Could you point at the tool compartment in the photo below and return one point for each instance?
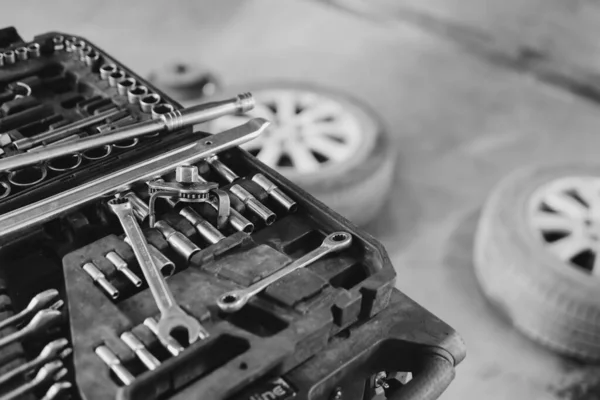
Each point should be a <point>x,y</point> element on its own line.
<point>341,305</point>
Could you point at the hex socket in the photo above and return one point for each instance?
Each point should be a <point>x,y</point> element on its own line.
<point>148,101</point>
<point>135,94</point>
<point>177,240</point>
<point>9,57</point>
<point>21,53</point>
<point>275,193</point>
<point>253,204</point>
<point>115,77</point>
<point>106,70</point>
<point>204,228</point>
<point>222,169</point>
<point>124,85</point>
<point>34,50</point>
<point>166,266</point>
<point>161,109</point>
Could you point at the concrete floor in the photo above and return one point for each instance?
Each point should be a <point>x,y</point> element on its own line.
<point>461,123</point>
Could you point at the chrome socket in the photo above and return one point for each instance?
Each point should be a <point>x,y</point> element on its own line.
<point>91,58</point>
<point>161,109</point>
<point>204,228</point>
<point>124,85</point>
<point>106,70</point>
<point>140,350</point>
<point>65,163</point>
<point>112,361</point>
<point>34,50</point>
<point>27,176</point>
<point>222,169</point>
<point>115,77</point>
<point>122,267</point>
<point>97,153</point>
<point>177,240</point>
<point>135,94</point>
<point>9,57</point>
<point>166,266</point>
<point>22,53</point>
<point>98,277</point>
<point>275,193</point>
<point>1,59</point>
<point>148,101</point>
<point>79,47</point>
<point>253,204</point>
<point>59,42</point>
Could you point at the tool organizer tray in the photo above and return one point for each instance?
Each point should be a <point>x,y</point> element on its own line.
<point>343,305</point>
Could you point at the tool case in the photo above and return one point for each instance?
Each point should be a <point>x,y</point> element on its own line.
<point>335,329</point>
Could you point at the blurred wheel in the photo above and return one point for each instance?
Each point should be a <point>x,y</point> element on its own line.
<point>537,255</point>
<point>328,144</point>
<point>183,81</point>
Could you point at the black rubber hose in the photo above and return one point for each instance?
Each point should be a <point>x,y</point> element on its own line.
<point>431,381</point>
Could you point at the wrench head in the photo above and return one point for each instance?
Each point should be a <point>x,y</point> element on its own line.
<point>119,205</point>
<point>337,241</point>
<point>42,300</point>
<point>232,301</point>
<point>180,322</point>
<point>53,349</point>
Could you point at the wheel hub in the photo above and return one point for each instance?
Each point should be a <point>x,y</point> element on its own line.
<point>565,214</point>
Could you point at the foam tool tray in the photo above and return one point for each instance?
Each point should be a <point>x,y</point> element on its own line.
<point>336,329</point>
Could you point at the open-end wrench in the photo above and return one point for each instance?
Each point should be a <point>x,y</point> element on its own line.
<point>42,320</point>
<point>37,303</point>
<point>52,351</point>
<point>171,315</point>
<point>234,300</point>
<point>57,390</point>
<point>171,344</point>
<point>51,371</point>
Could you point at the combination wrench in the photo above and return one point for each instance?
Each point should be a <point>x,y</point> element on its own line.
<point>49,372</point>
<point>171,315</point>
<point>234,300</point>
<point>42,320</point>
<point>37,303</point>
<point>52,351</point>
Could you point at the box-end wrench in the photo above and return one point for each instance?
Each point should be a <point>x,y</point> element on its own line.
<point>234,300</point>
<point>171,315</point>
<point>51,371</point>
<point>42,320</point>
<point>52,351</point>
<point>37,303</point>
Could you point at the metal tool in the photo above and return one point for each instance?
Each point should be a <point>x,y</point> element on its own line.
<point>161,109</point>
<point>112,361</point>
<point>177,240</point>
<point>106,70</point>
<point>43,319</point>
<point>172,316</point>
<point>34,50</point>
<point>189,188</point>
<point>136,93</point>
<point>234,300</point>
<point>236,220</point>
<point>204,228</point>
<point>124,85</point>
<point>91,57</point>
<point>149,101</point>
<point>57,390</point>
<point>172,121</point>
<point>122,267</point>
<point>52,351</point>
<point>64,131</point>
<point>38,302</point>
<point>30,176</point>
<point>9,57</point>
<point>98,277</point>
<point>52,371</point>
<point>258,208</point>
<point>21,53</point>
<point>169,343</point>
<point>166,266</point>
<point>19,220</point>
<point>115,77</point>
<point>140,350</point>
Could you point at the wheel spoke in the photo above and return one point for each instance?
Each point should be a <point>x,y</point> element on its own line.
<point>590,193</point>
<point>270,153</point>
<point>563,203</point>
<point>569,246</point>
<point>303,160</point>
<point>316,112</point>
<point>546,221</point>
<point>286,107</point>
<point>327,146</point>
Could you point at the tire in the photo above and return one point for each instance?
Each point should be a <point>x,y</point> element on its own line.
<point>554,301</point>
<point>355,185</point>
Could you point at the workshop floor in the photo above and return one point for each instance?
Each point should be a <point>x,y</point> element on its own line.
<point>461,123</point>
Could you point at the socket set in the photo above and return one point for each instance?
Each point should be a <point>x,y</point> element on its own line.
<point>142,260</point>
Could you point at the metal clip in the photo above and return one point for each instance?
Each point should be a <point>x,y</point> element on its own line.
<point>188,188</point>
